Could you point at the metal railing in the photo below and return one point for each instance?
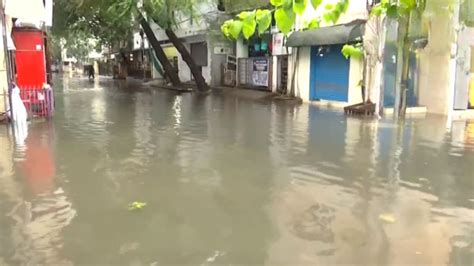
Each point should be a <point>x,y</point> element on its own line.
<point>39,102</point>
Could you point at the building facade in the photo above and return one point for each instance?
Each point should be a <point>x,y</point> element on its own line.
<point>318,71</point>
<point>202,37</point>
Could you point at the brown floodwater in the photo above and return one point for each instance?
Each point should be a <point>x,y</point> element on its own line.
<point>231,181</point>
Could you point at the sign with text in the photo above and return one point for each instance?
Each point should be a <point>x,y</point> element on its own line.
<point>260,72</point>
<point>278,44</point>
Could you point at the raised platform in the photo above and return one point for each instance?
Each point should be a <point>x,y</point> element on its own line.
<point>411,111</point>
<point>463,114</point>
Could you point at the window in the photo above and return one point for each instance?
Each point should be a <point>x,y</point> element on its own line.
<point>199,53</point>
<point>221,5</point>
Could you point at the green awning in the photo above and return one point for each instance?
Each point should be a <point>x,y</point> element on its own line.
<point>337,34</point>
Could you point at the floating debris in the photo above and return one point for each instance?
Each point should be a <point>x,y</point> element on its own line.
<point>136,205</point>
<point>387,217</point>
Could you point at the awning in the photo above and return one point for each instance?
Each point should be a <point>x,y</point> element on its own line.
<point>337,34</point>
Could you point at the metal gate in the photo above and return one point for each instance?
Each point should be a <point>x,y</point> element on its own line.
<point>243,72</point>
<point>39,102</point>
<point>329,78</point>
<point>282,73</point>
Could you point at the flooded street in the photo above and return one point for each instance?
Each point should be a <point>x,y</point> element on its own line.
<point>231,181</point>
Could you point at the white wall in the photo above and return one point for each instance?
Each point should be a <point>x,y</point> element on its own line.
<point>184,71</point>
<point>302,73</point>
<point>242,50</point>
<point>3,83</point>
<point>187,27</point>
<point>434,66</point>
<point>355,76</point>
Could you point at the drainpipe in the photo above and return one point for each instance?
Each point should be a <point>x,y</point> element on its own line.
<point>7,58</point>
<point>452,67</point>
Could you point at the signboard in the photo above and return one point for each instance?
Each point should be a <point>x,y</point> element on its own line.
<point>278,44</point>
<point>260,72</point>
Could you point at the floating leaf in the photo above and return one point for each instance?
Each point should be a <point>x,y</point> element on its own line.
<point>136,205</point>
<point>264,20</point>
<point>387,217</point>
<point>285,18</point>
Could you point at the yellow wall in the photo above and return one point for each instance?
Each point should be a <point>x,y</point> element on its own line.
<point>170,52</point>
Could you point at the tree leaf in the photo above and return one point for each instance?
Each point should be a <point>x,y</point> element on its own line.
<point>329,17</point>
<point>392,11</point>
<point>408,4</point>
<point>249,24</point>
<point>316,3</point>
<point>314,23</point>
<point>377,10</point>
<point>264,19</point>
<point>244,15</point>
<point>352,51</point>
<point>299,6</point>
<point>277,3</point>
<point>225,28</point>
<point>343,6</point>
<point>285,18</point>
<point>235,29</point>
<point>328,6</point>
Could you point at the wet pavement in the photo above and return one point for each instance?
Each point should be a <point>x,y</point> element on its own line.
<point>231,181</point>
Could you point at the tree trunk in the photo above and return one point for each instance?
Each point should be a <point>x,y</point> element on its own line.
<point>198,78</point>
<point>405,67</point>
<point>169,70</point>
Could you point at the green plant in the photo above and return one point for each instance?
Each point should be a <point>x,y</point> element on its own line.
<point>284,12</point>
<point>355,51</point>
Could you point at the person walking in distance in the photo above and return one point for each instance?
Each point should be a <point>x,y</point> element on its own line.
<point>91,72</point>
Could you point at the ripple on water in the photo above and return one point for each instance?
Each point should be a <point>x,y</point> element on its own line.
<point>305,174</point>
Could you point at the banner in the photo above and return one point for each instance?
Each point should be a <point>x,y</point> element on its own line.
<point>260,72</point>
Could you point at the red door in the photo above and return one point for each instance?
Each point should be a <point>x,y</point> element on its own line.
<point>30,58</point>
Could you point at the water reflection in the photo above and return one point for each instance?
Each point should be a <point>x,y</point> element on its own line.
<point>232,181</point>
<point>36,209</point>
